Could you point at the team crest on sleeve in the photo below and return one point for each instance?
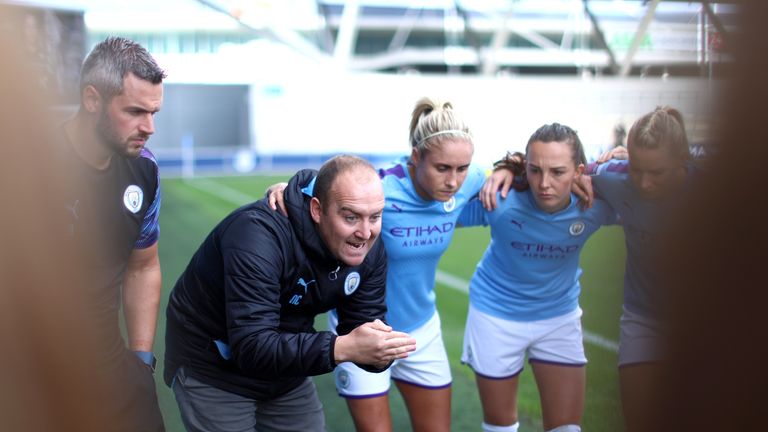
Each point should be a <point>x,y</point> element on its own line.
<point>577,228</point>
<point>342,379</point>
<point>449,205</point>
<point>351,283</point>
<point>132,198</point>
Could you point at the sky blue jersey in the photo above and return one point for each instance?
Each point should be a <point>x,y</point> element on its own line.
<point>530,270</point>
<point>415,234</point>
<point>639,217</point>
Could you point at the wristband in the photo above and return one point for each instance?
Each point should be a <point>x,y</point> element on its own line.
<point>148,358</point>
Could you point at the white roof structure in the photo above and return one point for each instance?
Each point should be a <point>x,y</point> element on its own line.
<point>613,37</point>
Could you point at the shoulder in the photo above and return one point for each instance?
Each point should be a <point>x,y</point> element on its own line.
<point>517,199</point>
<point>394,175</point>
<point>148,155</point>
<point>142,168</point>
<point>475,175</point>
<point>397,182</point>
<point>516,203</point>
<point>254,219</point>
<point>146,161</point>
<point>472,183</point>
<point>600,207</point>
<point>393,171</point>
<point>616,168</point>
<point>611,178</point>
<point>250,239</point>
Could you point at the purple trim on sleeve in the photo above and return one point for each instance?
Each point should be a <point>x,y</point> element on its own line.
<point>592,168</point>
<point>617,167</point>
<point>363,396</point>
<point>422,385</point>
<point>146,153</point>
<point>396,171</point>
<point>150,226</point>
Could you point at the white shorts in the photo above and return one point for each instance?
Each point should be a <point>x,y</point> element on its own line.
<point>426,367</point>
<point>640,339</point>
<point>495,348</point>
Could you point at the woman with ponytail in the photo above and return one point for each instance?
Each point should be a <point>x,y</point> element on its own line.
<point>425,193</point>
<point>524,295</point>
<point>642,190</point>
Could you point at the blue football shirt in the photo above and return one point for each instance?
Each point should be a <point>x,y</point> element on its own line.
<point>416,233</point>
<point>530,270</point>
<point>641,220</point>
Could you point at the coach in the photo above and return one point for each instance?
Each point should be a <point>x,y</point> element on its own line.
<point>240,339</point>
<point>113,206</point>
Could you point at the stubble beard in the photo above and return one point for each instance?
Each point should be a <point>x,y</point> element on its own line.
<point>112,140</point>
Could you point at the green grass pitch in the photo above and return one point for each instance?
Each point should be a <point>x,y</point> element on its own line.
<point>191,208</point>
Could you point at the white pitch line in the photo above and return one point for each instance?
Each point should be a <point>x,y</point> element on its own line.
<point>219,190</point>
<point>462,285</point>
<point>452,281</point>
<point>600,341</point>
<point>236,197</point>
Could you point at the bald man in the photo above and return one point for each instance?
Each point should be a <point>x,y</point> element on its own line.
<point>240,338</point>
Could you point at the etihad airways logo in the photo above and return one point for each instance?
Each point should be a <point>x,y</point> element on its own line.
<point>544,251</point>
<point>419,231</point>
<point>538,247</point>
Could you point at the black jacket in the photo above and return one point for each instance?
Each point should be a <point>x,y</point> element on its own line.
<point>256,284</point>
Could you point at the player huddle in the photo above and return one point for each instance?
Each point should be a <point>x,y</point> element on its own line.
<point>240,338</point>
<point>524,293</point>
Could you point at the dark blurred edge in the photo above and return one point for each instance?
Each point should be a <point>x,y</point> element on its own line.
<point>715,255</point>
<point>47,362</point>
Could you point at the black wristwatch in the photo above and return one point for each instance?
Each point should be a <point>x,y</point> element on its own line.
<point>148,358</point>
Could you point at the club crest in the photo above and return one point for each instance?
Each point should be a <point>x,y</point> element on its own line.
<point>132,198</point>
<point>351,283</point>
<point>342,379</point>
<point>577,228</point>
<point>449,205</point>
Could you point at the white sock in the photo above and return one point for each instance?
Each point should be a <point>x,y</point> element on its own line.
<point>494,428</point>
<point>566,428</point>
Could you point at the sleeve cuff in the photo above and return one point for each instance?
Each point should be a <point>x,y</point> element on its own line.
<point>332,351</point>
<point>148,358</point>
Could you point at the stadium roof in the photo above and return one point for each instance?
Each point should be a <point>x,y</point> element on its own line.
<point>482,36</point>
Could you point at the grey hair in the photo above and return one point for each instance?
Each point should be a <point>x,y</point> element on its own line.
<point>432,120</point>
<point>111,60</point>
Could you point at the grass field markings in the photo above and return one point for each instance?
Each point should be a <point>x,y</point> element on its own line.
<point>236,197</point>
<point>600,341</point>
<point>459,284</point>
<point>220,190</point>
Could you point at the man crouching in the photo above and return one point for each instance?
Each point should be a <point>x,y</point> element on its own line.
<point>240,339</point>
